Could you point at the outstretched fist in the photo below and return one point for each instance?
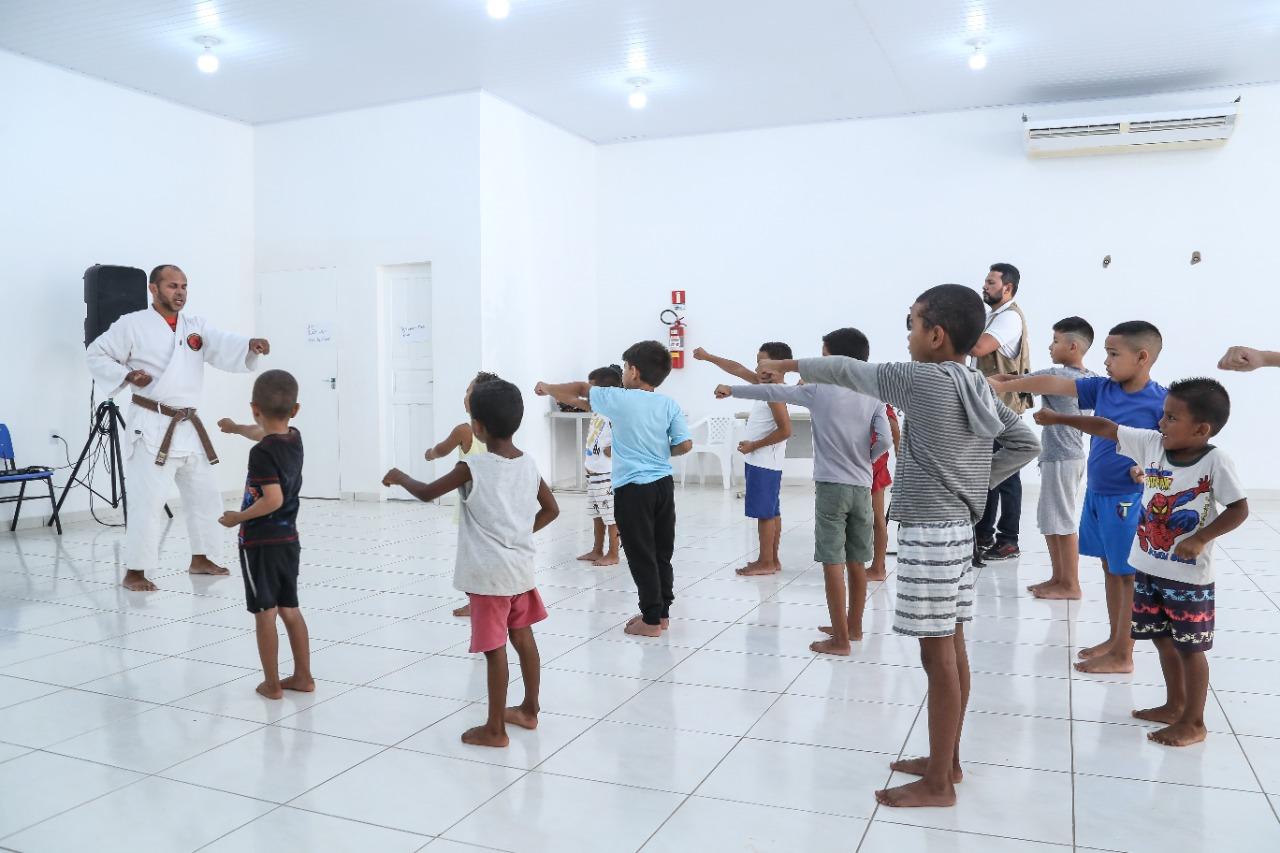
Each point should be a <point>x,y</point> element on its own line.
<point>700,354</point>
<point>541,389</point>
<point>226,425</point>
<point>394,477</point>
<point>723,391</point>
<point>260,346</point>
<point>1241,359</point>
<point>771,370</point>
<point>1046,417</point>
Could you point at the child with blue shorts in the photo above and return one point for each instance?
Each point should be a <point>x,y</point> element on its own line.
<point>763,448</point>
<point>1113,494</point>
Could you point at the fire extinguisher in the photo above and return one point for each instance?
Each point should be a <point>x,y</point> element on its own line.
<point>673,319</point>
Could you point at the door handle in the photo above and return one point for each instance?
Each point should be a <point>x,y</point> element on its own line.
<point>331,382</point>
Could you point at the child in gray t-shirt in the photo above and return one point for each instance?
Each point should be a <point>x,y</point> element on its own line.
<point>1062,465</point>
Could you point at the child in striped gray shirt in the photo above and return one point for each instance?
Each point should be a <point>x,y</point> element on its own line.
<point>945,468</point>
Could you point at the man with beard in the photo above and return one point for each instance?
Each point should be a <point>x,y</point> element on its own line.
<point>1002,349</point>
<point>163,351</point>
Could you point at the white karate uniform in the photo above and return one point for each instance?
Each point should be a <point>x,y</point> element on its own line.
<point>143,340</point>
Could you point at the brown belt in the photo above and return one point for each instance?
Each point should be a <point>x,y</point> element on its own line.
<point>177,416</point>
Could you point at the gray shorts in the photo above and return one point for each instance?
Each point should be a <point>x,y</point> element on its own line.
<point>1058,513</point>
<point>843,525</point>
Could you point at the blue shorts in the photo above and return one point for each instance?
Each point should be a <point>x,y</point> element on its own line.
<point>764,489</point>
<point>1108,526</point>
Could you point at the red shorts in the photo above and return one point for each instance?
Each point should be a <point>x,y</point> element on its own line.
<point>880,477</point>
<point>493,615</point>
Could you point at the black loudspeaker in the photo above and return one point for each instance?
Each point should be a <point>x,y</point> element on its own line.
<point>110,292</point>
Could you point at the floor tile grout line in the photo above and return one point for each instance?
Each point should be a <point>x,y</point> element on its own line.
<point>727,753</point>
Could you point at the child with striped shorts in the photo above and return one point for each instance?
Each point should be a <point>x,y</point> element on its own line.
<point>944,471</point>
<point>598,458</point>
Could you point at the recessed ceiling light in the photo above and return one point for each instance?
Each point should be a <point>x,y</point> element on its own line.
<point>208,61</point>
<point>638,99</point>
<point>498,9</point>
<point>978,59</point>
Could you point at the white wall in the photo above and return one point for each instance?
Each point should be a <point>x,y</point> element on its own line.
<point>789,233</point>
<point>356,190</point>
<point>92,173</point>
<point>538,259</point>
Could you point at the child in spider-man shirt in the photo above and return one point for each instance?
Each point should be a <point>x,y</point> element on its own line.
<point>1184,479</point>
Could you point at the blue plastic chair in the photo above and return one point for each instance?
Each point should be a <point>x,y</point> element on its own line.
<point>10,473</point>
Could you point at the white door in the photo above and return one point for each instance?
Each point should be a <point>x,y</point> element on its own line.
<point>408,370</point>
<point>297,310</point>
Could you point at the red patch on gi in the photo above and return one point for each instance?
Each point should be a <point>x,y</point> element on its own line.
<point>195,342</point>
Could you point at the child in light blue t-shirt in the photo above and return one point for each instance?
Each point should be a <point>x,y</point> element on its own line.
<point>648,429</point>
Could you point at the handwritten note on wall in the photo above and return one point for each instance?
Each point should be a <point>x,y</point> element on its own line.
<point>415,334</point>
<point>318,333</point>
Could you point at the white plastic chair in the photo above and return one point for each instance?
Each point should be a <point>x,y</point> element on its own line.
<point>719,443</point>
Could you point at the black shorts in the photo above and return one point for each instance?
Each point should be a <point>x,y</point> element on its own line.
<point>270,576</point>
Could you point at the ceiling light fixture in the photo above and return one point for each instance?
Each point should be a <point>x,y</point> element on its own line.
<point>208,61</point>
<point>498,9</point>
<point>638,99</point>
<point>977,59</point>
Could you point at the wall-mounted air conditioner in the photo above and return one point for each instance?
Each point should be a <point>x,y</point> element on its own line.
<point>1163,130</point>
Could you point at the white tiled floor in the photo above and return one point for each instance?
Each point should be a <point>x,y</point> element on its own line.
<point>129,721</point>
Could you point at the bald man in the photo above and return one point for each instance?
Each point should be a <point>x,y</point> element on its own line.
<point>157,356</point>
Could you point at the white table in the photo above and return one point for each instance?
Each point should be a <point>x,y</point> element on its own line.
<point>579,439</point>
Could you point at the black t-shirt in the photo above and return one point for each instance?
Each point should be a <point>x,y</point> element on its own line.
<point>277,459</point>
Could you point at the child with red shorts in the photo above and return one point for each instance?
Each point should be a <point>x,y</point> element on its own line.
<point>881,480</point>
<point>504,502</point>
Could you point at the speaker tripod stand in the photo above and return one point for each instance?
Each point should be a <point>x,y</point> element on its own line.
<point>107,425</point>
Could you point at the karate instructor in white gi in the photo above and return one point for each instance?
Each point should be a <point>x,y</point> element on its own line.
<point>158,354</point>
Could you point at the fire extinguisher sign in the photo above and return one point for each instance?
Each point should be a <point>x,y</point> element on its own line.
<point>677,297</point>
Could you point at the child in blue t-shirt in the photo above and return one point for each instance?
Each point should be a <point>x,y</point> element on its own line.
<point>1113,495</point>
<point>648,429</point>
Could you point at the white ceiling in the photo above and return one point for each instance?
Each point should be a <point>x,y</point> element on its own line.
<point>714,64</point>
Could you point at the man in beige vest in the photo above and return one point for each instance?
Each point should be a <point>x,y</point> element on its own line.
<point>1002,349</point>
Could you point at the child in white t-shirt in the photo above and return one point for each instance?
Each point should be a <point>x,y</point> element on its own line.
<point>763,448</point>
<point>504,502</point>
<point>1184,479</point>
<point>598,458</point>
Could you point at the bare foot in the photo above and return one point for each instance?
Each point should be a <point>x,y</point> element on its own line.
<point>137,582</point>
<point>830,647</point>
<point>755,569</point>
<point>1166,714</point>
<point>1033,587</point>
<point>519,716</point>
<point>591,557</point>
<point>639,628</point>
<point>462,612</point>
<point>205,566</point>
<point>877,574</point>
<point>607,560</point>
<point>299,683</point>
<point>1108,663</point>
<point>1094,651</point>
<point>270,692</point>
<point>481,736</point>
<point>1179,734</point>
<point>1056,592</point>
<point>918,766</point>
<point>915,795</point>
<point>664,623</point>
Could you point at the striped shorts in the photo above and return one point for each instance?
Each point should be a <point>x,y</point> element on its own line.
<point>600,497</point>
<point>935,578</point>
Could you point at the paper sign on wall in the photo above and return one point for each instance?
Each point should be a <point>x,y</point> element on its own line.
<point>318,333</point>
<point>415,334</point>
